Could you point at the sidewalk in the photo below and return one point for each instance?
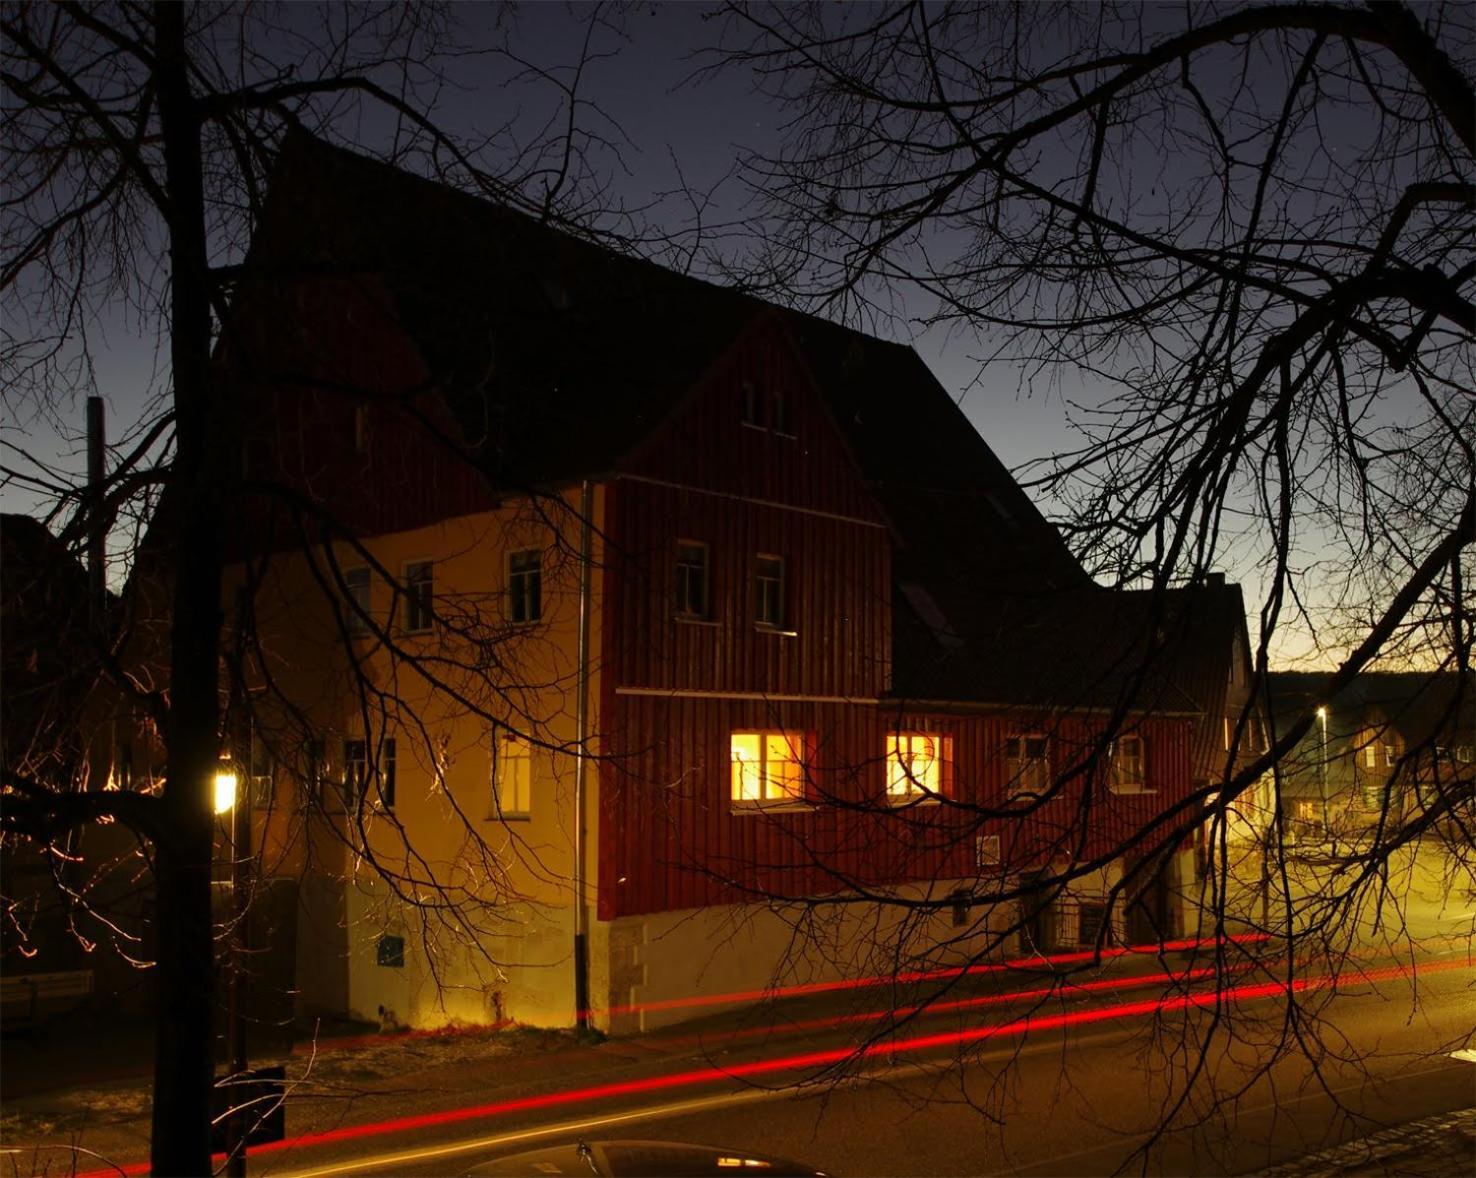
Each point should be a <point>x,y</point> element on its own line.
<point>1435,1147</point>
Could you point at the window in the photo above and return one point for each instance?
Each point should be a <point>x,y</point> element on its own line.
<point>751,412</point>
<point>312,777</point>
<point>260,772</point>
<point>1127,774</point>
<point>915,764</point>
<point>355,771</point>
<point>768,767</point>
<point>512,777</point>
<point>1391,754</point>
<point>357,777</point>
<point>1027,765</point>
<point>768,592</point>
<point>525,585</point>
<point>1090,919</point>
<point>1370,755</point>
<point>780,421</point>
<point>361,429</point>
<point>691,579</point>
<point>357,600</point>
<point>387,774</point>
<point>420,595</point>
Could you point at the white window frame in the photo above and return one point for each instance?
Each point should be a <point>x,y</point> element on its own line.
<point>420,607</point>
<point>682,581</point>
<point>512,777</point>
<point>358,593</point>
<point>904,782</point>
<point>773,791</point>
<point>525,605</point>
<point>1115,779</point>
<point>1017,782</point>
<point>768,591</point>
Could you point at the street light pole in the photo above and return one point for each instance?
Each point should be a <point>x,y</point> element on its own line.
<point>228,794</point>
<point>1322,762</point>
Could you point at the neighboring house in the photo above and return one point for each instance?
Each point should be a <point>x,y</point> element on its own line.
<point>621,618</point>
<point>1379,754</point>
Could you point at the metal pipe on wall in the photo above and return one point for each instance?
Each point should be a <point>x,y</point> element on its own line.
<point>581,767</point>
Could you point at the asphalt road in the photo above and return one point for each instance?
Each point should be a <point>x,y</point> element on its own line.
<point>1073,1099</point>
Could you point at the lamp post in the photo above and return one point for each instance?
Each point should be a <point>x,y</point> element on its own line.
<point>1322,765</point>
<point>228,799</point>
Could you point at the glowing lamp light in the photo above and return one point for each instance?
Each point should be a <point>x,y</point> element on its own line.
<point>1322,713</point>
<point>225,789</point>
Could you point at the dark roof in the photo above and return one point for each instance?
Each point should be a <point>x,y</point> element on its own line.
<point>990,605</point>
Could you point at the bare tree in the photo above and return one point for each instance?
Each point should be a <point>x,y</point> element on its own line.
<point>139,142</point>
<point>1237,239</point>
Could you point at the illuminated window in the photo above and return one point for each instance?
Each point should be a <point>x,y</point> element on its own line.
<point>420,596</point>
<point>768,592</point>
<point>1370,755</point>
<point>915,763</point>
<point>1027,765</point>
<point>356,600</point>
<point>691,579</point>
<point>1127,775</point>
<point>525,585</point>
<point>1391,754</point>
<point>768,767</point>
<point>512,777</point>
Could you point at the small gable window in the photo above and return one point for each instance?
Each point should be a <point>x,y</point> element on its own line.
<point>752,412</point>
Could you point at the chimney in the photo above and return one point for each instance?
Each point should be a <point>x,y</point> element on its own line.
<point>1214,580</point>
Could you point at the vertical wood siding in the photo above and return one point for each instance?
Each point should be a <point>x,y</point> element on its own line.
<point>333,346</point>
<point>671,839</point>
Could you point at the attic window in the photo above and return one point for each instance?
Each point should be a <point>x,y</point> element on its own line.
<point>927,609</point>
<point>751,414</point>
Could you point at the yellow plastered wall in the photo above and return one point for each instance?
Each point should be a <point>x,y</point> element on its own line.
<point>482,903</point>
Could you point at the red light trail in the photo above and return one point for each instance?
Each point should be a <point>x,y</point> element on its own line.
<point>822,1059</point>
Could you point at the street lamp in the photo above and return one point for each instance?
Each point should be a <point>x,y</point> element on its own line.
<point>225,788</point>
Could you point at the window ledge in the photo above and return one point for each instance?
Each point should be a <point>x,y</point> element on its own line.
<point>508,818</point>
<point>902,802</point>
<point>694,620</point>
<point>776,631</point>
<point>748,807</point>
<point>1128,790</point>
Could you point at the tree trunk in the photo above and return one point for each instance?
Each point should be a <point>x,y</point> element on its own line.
<point>184,1043</point>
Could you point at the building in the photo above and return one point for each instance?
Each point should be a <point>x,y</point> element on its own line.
<point>1380,754</point>
<point>603,637</point>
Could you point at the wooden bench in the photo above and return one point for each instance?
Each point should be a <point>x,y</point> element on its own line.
<point>28,1000</point>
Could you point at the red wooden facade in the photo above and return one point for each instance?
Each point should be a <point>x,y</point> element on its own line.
<point>675,689</point>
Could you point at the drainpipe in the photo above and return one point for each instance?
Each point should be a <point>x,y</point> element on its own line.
<point>581,763</point>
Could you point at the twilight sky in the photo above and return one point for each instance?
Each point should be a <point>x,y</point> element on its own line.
<point>666,130</point>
